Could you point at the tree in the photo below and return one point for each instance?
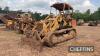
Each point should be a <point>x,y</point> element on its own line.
<point>88,12</point>
<point>96,15</point>
<point>78,16</point>
<point>44,16</point>
<point>0,8</point>
<point>36,15</point>
<point>99,9</point>
<point>85,16</point>
<point>6,8</point>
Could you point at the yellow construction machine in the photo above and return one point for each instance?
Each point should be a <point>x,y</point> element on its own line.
<point>55,29</point>
<point>7,20</point>
<point>22,22</point>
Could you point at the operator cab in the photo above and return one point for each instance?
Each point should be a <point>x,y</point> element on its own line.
<point>63,8</point>
<point>65,12</point>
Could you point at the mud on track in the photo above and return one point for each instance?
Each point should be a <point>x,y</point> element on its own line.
<point>10,44</point>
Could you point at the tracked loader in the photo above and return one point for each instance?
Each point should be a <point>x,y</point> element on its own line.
<point>55,29</point>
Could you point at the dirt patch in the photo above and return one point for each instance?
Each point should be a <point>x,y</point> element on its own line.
<point>11,45</point>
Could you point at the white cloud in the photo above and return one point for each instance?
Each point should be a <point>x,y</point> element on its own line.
<point>44,5</point>
<point>87,3</point>
<point>82,5</point>
<point>52,2</point>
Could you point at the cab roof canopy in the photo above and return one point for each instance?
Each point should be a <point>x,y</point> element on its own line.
<point>62,6</point>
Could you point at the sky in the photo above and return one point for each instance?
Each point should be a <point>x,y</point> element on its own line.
<point>43,6</point>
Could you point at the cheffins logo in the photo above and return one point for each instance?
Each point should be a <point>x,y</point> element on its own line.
<point>81,48</point>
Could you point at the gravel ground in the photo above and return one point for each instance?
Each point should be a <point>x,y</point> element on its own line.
<point>10,44</point>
